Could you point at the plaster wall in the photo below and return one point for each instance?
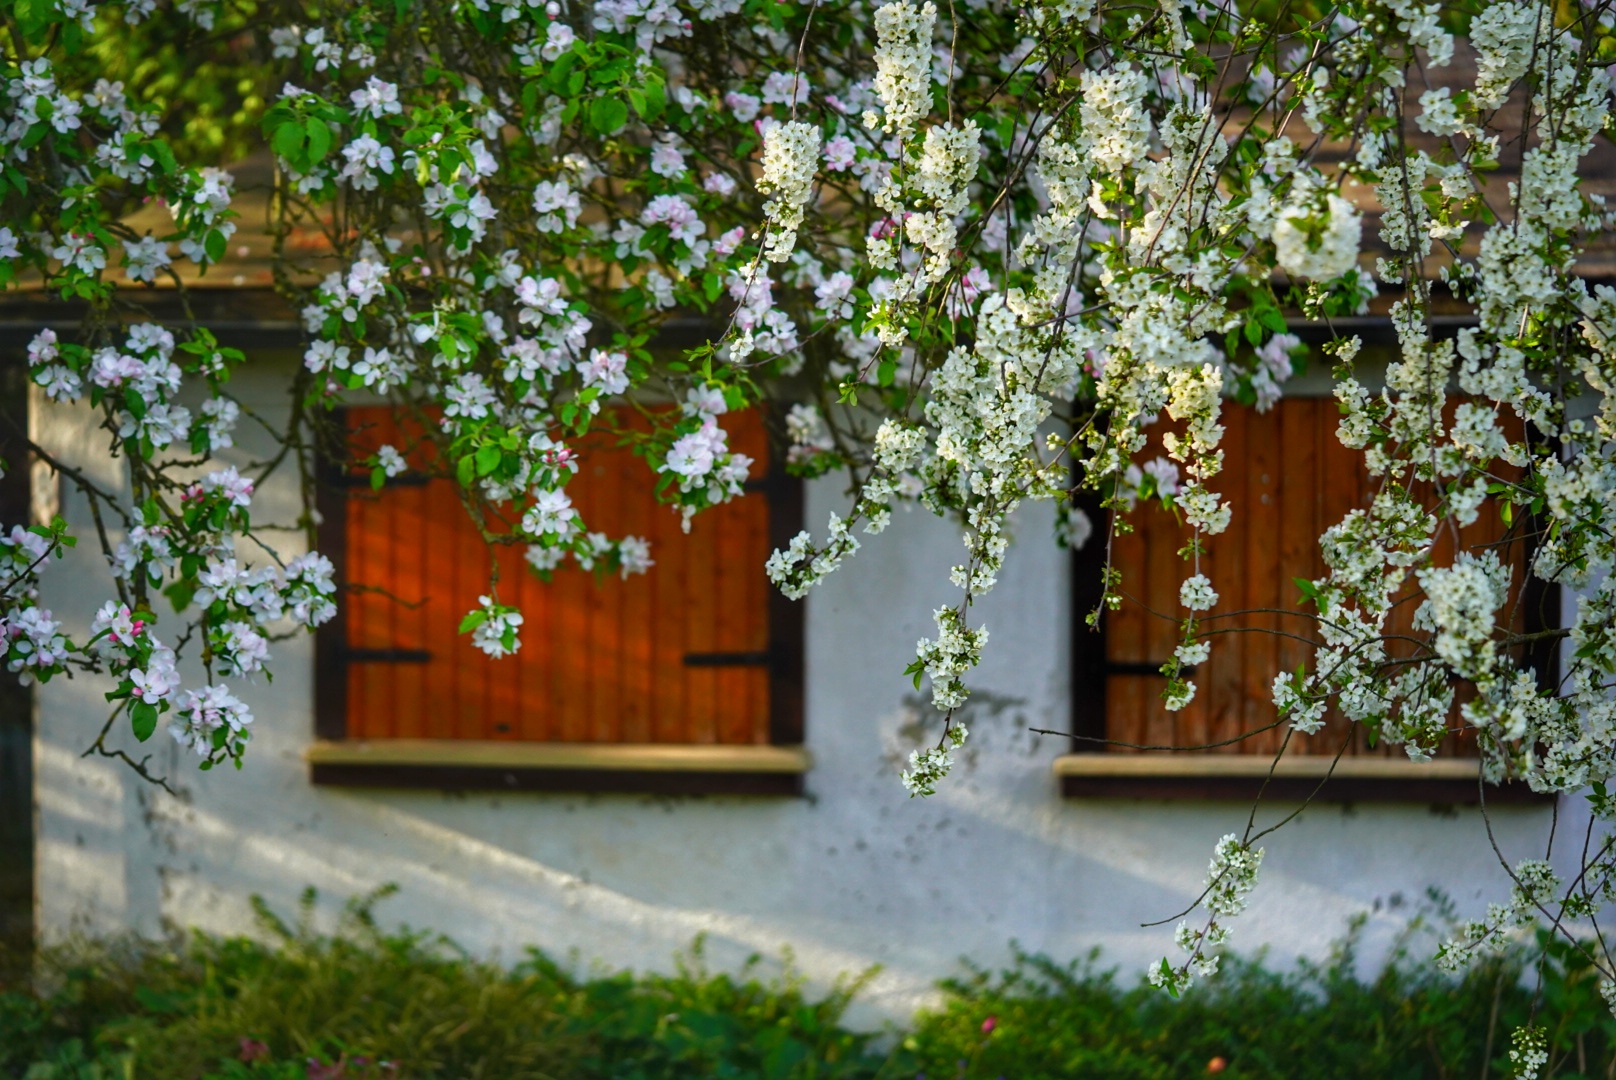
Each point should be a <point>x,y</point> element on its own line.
<point>853,875</point>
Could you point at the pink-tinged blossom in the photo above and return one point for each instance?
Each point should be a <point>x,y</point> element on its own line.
<point>145,258</point>
<point>557,206</point>
<point>693,456</point>
<point>378,370</point>
<point>840,153</point>
<point>467,397</point>
<point>144,547</point>
<point>219,417</point>
<point>200,713</point>
<point>558,38</point>
<point>79,252</point>
<point>365,157</point>
<point>119,624</point>
<point>154,684</point>
<point>229,485</point>
<point>605,371</point>
<point>666,160</point>
<point>544,559</point>
<point>309,588</point>
<point>42,348</point>
<point>743,106</point>
<point>36,643</point>
<point>679,216</point>
<point>324,356</point>
<point>238,647</point>
<point>785,88</point>
<point>730,242</point>
<point>377,98</point>
<point>551,512</point>
<point>705,401</point>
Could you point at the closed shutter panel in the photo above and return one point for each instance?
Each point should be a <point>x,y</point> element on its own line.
<point>680,654</point>
<point>1288,478</point>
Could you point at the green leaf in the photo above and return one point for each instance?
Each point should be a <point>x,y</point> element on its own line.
<point>473,620</point>
<point>143,719</point>
<point>214,245</point>
<point>488,459</point>
<point>608,115</point>
<point>656,99</point>
<point>466,470</point>
<point>319,138</point>
<point>288,140</point>
<point>165,157</point>
<point>180,593</point>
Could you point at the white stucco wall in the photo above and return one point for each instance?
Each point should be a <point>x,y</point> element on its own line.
<point>856,874</point>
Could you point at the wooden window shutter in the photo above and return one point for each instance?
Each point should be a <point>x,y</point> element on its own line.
<point>1288,478</point>
<point>699,650</point>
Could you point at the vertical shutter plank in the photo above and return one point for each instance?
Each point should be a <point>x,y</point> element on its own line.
<point>1125,640</point>
<point>755,604</point>
<point>368,620</point>
<point>1262,577</point>
<point>668,644</point>
<point>535,720</point>
<point>700,619</point>
<point>1223,681</point>
<point>606,607</point>
<point>505,693</point>
<point>569,639</point>
<point>410,573</point>
<point>729,587</point>
<point>439,593</point>
<point>1163,571</point>
<point>637,656</point>
<point>1303,423</point>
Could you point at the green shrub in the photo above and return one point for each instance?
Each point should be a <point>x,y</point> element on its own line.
<point>366,1003</point>
<point>1040,1020</point>
<point>363,1004</point>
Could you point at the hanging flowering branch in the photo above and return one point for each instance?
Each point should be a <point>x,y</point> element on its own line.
<point>977,250</point>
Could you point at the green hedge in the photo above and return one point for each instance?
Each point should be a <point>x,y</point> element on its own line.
<point>367,1004</point>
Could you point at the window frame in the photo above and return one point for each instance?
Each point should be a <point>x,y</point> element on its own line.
<point>775,768</point>
<point>1089,770</point>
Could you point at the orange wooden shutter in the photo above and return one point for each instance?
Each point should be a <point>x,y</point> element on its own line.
<point>1288,478</point>
<point>681,654</point>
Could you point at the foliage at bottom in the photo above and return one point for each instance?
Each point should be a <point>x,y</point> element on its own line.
<point>368,1004</point>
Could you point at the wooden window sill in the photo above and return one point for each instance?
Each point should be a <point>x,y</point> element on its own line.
<point>1296,777</point>
<point>465,765</point>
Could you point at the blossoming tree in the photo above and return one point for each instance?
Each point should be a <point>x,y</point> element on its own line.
<point>971,253</point>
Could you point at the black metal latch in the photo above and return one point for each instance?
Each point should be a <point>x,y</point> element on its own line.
<point>1142,667</point>
<point>728,659</point>
<point>385,656</point>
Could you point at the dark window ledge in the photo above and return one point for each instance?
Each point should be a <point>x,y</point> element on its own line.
<point>603,768</point>
<point>1295,777</point>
